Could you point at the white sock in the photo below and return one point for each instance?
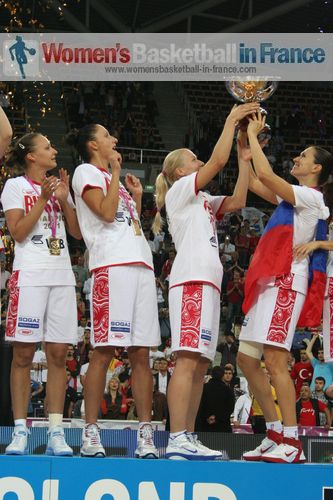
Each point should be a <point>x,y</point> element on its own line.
<point>55,420</point>
<point>290,432</point>
<point>174,435</point>
<point>21,421</point>
<point>274,426</point>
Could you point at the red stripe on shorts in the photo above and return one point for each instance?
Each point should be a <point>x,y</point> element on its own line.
<point>14,293</point>
<point>191,315</point>
<point>101,301</point>
<point>330,298</point>
<point>283,310</point>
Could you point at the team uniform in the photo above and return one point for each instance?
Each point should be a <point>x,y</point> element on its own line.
<point>42,301</point>
<point>328,306</point>
<point>196,274</point>
<point>272,319</point>
<point>123,291</point>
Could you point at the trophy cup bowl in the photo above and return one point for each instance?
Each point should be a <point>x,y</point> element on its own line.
<point>251,91</point>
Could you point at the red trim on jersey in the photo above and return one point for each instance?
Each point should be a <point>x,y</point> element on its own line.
<point>191,315</point>
<point>101,306</point>
<point>217,215</point>
<point>196,184</point>
<point>14,294</point>
<point>139,263</point>
<point>87,187</point>
<point>184,283</point>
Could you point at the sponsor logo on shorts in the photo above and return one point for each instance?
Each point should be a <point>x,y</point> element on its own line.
<point>120,326</point>
<point>25,332</point>
<point>28,322</point>
<point>206,336</point>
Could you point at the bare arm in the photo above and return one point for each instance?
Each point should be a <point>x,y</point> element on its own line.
<point>255,185</point>
<point>133,184</point>
<point>303,250</point>
<point>69,212</point>
<point>262,167</point>
<point>310,346</point>
<point>6,132</point>
<point>106,206</point>
<point>19,224</point>
<point>238,198</point>
<point>222,149</point>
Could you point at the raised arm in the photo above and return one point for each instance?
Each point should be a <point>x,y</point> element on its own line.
<point>221,152</point>
<point>263,170</point>
<point>255,185</point>
<point>310,346</point>
<point>106,206</point>
<point>6,132</point>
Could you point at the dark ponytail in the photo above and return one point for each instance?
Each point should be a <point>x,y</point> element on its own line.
<point>325,159</point>
<point>17,152</point>
<point>80,138</point>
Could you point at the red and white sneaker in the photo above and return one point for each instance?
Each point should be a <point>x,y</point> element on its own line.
<point>288,452</point>
<point>271,441</point>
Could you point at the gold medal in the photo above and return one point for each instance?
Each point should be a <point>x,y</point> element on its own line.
<point>54,246</point>
<point>136,227</point>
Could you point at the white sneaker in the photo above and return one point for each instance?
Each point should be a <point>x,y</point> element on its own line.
<point>182,448</point>
<point>145,447</point>
<point>204,450</point>
<point>19,444</point>
<point>288,452</point>
<point>271,441</point>
<point>91,442</point>
<point>56,444</point>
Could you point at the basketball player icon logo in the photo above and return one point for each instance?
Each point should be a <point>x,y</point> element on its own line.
<point>18,53</point>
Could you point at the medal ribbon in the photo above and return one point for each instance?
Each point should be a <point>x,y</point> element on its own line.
<point>123,195</point>
<point>51,212</point>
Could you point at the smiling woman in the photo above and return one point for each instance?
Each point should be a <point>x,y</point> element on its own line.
<point>41,287</point>
<point>276,287</point>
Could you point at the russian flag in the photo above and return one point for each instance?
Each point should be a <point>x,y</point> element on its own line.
<point>273,255</point>
<point>313,306</point>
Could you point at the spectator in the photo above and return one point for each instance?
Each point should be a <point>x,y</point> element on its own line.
<point>235,295</point>
<point>320,368</point>
<point>227,248</point>
<point>308,410</point>
<point>84,347</point>
<point>72,365</point>
<point>228,349</point>
<point>70,396</point>
<point>242,243</point>
<point>162,378</point>
<point>301,372</point>
<point>36,391</point>
<point>217,404</point>
<point>114,404</point>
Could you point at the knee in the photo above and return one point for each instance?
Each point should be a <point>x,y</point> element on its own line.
<point>275,364</point>
<point>57,357</point>
<point>22,359</point>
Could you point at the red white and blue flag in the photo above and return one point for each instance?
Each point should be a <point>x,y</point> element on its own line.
<point>273,257</point>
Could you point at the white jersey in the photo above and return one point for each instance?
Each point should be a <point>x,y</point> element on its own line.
<point>33,253</point>
<point>309,207</point>
<point>191,218</point>
<point>329,269</point>
<point>109,243</point>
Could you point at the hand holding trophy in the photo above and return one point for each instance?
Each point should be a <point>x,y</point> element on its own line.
<point>252,91</point>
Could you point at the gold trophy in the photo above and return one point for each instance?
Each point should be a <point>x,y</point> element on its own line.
<point>249,91</point>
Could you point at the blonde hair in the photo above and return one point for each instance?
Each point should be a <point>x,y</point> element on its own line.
<point>163,181</point>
